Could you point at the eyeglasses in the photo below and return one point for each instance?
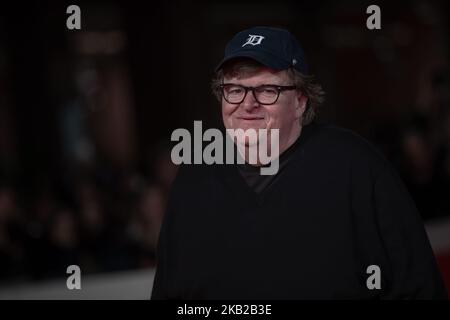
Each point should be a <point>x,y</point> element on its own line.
<point>265,94</point>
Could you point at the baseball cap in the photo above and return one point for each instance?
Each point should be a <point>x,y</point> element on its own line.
<point>275,48</point>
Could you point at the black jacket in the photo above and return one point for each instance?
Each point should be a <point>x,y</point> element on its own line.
<point>334,210</point>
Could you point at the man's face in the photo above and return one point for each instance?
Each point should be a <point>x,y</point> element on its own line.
<point>284,114</point>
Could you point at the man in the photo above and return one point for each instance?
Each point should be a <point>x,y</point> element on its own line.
<point>335,221</point>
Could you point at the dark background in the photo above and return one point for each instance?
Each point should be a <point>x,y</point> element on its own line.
<point>86,115</point>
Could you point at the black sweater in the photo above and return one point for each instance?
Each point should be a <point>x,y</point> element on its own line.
<point>336,208</point>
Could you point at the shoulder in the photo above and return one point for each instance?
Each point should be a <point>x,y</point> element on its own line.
<point>341,144</point>
<point>342,137</point>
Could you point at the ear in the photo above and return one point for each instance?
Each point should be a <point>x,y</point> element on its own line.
<point>300,106</point>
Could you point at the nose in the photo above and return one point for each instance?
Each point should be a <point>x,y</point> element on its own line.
<point>249,102</point>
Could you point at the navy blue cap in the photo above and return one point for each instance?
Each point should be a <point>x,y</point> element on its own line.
<point>275,48</point>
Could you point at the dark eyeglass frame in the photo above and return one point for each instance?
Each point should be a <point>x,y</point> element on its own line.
<point>252,89</point>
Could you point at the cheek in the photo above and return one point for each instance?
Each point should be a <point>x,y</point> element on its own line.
<point>274,118</point>
<point>281,116</point>
<point>227,112</point>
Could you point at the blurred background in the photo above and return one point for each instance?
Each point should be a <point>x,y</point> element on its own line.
<point>86,116</point>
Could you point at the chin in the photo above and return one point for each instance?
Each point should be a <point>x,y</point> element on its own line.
<point>245,141</point>
<point>245,127</point>
<point>249,143</point>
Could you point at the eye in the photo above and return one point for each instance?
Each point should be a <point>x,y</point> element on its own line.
<point>267,90</point>
<point>235,90</point>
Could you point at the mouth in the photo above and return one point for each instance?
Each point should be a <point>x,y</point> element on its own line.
<point>250,118</point>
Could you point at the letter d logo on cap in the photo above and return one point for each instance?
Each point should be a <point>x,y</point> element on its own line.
<point>253,40</point>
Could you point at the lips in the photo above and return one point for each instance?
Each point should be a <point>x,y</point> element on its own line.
<point>250,118</point>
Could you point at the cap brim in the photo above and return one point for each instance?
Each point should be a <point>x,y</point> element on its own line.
<point>261,57</point>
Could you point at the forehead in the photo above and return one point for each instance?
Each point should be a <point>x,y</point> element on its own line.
<point>262,75</point>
